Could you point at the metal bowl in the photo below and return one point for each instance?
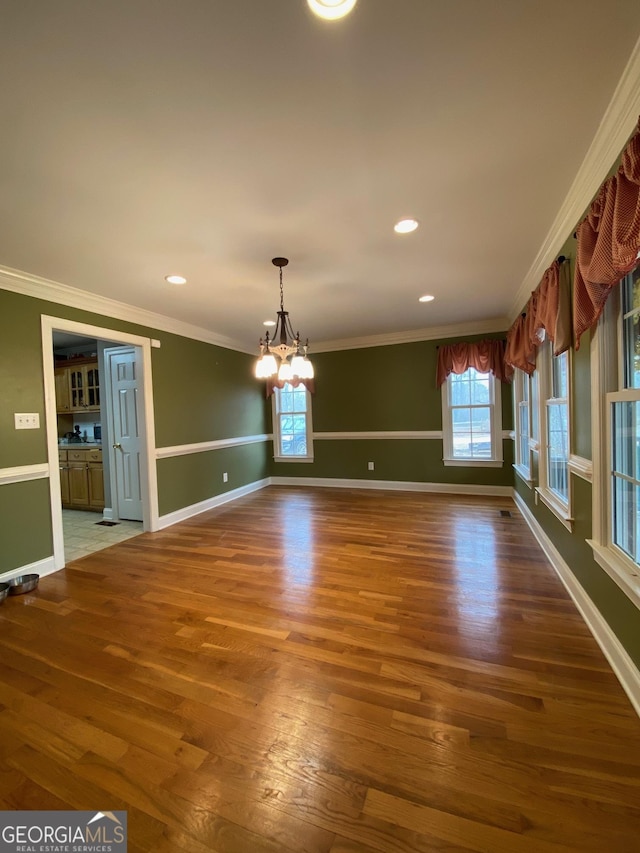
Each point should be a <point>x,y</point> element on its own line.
<point>22,584</point>
<point>4,591</point>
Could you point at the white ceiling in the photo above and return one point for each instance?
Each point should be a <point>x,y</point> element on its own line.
<point>146,137</point>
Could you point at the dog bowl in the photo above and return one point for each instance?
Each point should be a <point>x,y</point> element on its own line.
<point>4,591</point>
<point>22,584</point>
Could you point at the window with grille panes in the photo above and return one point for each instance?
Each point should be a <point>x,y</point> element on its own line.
<point>624,428</point>
<point>472,419</point>
<point>554,412</point>
<point>292,427</point>
<point>615,382</point>
<point>522,394</point>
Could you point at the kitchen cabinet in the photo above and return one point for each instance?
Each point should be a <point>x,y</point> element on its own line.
<point>82,478</point>
<point>78,387</point>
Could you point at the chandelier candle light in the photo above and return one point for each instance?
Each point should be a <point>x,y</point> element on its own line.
<point>294,364</point>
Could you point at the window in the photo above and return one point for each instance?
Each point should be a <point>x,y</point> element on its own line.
<point>615,413</point>
<point>523,403</point>
<point>293,435</point>
<point>557,422</point>
<point>554,417</point>
<point>624,428</point>
<point>472,419</point>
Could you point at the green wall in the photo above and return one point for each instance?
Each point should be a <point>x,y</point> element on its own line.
<point>616,608</point>
<point>185,480</point>
<point>201,392</point>
<point>388,388</point>
<point>25,524</point>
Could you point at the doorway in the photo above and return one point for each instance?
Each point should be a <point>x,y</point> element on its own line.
<point>89,451</point>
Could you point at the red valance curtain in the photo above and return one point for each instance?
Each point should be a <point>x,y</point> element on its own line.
<point>486,356</point>
<point>546,315</point>
<point>310,385</point>
<point>608,240</point>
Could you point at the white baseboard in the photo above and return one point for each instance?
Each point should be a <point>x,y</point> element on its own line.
<point>107,514</point>
<point>623,666</point>
<point>195,509</point>
<point>395,486</point>
<point>40,567</point>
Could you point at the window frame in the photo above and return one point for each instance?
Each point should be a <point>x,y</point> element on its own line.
<point>495,417</point>
<point>560,507</point>
<point>277,434</point>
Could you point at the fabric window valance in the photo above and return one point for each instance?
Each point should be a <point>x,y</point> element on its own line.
<point>486,356</point>
<point>608,239</point>
<point>547,315</point>
<point>271,384</point>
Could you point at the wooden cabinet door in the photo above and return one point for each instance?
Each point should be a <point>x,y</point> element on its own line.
<point>92,387</point>
<point>84,387</point>
<point>95,476</point>
<point>77,380</point>
<point>78,484</point>
<point>64,483</point>
<point>63,399</point>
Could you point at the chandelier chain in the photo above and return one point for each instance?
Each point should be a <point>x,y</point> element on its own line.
<point>281,292</point>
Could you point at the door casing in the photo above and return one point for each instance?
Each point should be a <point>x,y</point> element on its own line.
<point>149,481</point>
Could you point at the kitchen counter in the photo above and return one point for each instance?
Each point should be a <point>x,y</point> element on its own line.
<point>63,442</point>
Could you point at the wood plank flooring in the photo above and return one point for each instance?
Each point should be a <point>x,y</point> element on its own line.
<point>321,671</point>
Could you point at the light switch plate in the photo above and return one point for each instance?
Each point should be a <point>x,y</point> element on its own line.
<point>25,420</point>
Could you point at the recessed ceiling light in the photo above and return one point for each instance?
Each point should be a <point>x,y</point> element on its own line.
<point>269,323</point>
<point>405,226</point>
<point>175,279</point>
<point>426,298</point>
<point>331,10</point>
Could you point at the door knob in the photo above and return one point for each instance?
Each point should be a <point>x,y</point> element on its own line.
<point>117,446</point>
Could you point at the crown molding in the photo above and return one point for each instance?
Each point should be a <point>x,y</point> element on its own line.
<point>616,126</point>
<point>481,327</point>
<point>62,294</point>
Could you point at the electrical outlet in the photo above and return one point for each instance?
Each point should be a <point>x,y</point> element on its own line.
<point>370,466</point>
<point>25,420</point>
<point>225,477</point>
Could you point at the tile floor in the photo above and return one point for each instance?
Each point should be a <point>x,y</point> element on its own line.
<point>83,535</point>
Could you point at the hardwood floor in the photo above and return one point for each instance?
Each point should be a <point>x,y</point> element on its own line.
<point>321,670</point>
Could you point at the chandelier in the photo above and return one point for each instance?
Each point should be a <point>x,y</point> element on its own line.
<point>285,346</point>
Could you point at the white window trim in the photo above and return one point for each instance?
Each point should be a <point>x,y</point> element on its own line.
<point>524,474</point>
<point>276,430</point>
<point>520,381</point>
<point>560,508</point>
<point>496,461</point>
<point>606,377</point>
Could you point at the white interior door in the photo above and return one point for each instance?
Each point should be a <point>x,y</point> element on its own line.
<point>126,432</point>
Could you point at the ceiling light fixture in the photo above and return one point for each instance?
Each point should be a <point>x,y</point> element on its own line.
<point>175,279</point>
<point>426,298</point>
<point>294,364</point>
<point>331,10</point>
<point>405,226</point>
<point>269,323</point>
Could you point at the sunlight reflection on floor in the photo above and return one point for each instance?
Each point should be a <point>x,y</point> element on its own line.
<point>298,541</point>
<point>476,576</point>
